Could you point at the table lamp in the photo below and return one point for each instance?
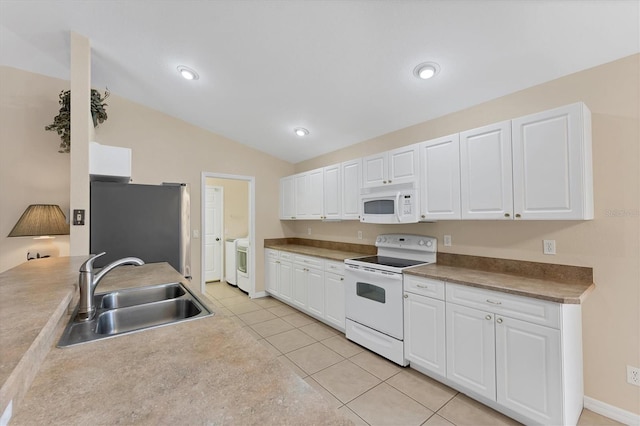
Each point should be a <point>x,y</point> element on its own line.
<point>41,221</point>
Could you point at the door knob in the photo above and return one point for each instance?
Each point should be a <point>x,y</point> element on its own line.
<point>217,239</point>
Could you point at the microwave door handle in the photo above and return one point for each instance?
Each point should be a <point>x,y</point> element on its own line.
<point>398,195</point>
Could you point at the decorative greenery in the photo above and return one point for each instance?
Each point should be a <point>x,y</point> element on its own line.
<point>62,122</point>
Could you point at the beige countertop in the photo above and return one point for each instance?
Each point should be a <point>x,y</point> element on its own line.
<point>205,371</point>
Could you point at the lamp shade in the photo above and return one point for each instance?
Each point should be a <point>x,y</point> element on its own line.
<point>40,219</point>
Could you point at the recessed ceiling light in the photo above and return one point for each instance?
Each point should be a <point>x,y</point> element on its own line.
<point>426,70</point>
<point>300,131</point>
<point>188,73</point>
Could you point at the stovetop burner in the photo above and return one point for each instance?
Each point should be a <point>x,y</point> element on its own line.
<point>390,261</point>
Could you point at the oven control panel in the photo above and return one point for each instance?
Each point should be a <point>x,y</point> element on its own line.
<point>408,242</point>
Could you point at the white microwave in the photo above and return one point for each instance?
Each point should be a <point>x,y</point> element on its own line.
<point>389,204</point>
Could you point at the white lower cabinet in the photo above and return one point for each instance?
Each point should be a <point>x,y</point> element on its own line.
<point>522,356</point>
<point>424,325</point>
<point>471,349</point>
<point>307,283</point>
<point>529,369</point>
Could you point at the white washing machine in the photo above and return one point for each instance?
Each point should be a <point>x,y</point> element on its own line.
<point>230,261</point>
<point>242,264</point>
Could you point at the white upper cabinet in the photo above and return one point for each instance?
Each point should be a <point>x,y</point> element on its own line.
<point>485,171</point>
<point>391,167</point>
<point>552,171</point>
<point>440,178</point>
<point>332,192</point>
<point>309,194</point>
<point>350,189</point>
<point>287,198</point>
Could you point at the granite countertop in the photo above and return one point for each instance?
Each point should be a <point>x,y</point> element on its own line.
<point>555,283</point>
<point>554,291</point>
<point>205,371</point>
<point>325,253</point>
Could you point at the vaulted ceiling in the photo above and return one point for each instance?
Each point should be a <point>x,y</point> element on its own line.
<point>341,69</point>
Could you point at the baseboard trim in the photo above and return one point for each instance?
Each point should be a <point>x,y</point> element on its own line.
<point>259,295</point>
<point>615,413</point>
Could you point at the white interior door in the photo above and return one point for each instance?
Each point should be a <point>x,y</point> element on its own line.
<point>213,233</point>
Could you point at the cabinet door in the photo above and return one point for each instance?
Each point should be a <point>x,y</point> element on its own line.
<point>315,292</point>
<point>471,349</point>
<point>271,264</point>
<point>485,172</point>
<point>301,191</point>
<point>424,335</point>
<point>351,183</point>
<point>552,177</point>
<point>440,178</point>
<point>334,299</point>
<point>300,284</point>
<point>529,370</point>
<point>287,198</point>
<point>285,282</point>
<point>403,165</point>
<point>374,170</point>
<point>315,194</point>
<point>332,192</point>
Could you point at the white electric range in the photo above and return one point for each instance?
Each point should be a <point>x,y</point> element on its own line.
<point>374,289</point>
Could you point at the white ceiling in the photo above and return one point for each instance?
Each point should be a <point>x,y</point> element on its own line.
<point>342,69</point>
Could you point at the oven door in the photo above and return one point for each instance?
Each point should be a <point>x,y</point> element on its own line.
<point>374,299</point>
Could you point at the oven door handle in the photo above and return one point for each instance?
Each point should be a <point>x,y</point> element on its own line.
<point>398,194</point>
<point>356,274</point>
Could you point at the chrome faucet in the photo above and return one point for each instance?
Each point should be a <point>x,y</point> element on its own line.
<point>88,283</point>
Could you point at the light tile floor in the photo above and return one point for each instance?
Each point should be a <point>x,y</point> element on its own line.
<point>363,386</point>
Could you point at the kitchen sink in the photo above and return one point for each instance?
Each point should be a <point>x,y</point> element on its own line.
<point>135,309</point>
<point>117,321</point>
<point>138,296</point>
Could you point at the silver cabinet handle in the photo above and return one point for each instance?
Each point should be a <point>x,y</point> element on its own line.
<point>494,302</point>
<point>422,286</point>
<point>499,320</point>
<point>341,278</point>
<point>406,296</point>
<point>488,317</point>
<point>389,180</point>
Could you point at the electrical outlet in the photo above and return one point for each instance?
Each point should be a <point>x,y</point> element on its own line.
<point>549,246</point>
<point>633,375</point>
<point>447,240</point>
<point>359,235</point>
<point>308,231</point>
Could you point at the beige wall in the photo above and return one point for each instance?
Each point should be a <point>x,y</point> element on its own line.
<point>236,206</point>
<point>31,169</point>
<point>609,243</point>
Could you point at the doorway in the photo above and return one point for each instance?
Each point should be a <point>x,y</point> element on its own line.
<point>212,235</point>
<point>235,218</point>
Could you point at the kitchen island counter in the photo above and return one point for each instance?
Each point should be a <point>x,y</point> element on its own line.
<point>205,371</point>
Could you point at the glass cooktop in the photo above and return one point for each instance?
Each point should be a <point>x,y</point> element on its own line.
<point>389,261</point>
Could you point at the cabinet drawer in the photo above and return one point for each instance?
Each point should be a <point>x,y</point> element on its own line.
<point>424,286</point>
<point>285,255</point>
<point>314,262</point>
<point>271,254</point>
<point>333,266</point>
<point>525,308</point>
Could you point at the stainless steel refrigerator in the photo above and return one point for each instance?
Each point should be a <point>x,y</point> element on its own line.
<point>146,221</point>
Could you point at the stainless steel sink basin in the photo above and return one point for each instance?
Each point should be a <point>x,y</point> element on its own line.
<point>122,320</point>
<point>131,310</point>
<point>138,296</point>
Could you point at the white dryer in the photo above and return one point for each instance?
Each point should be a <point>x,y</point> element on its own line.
<point>230,269</point>
<point>242,264</point>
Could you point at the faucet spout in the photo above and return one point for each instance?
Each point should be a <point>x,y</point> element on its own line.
<point>88,282</point>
